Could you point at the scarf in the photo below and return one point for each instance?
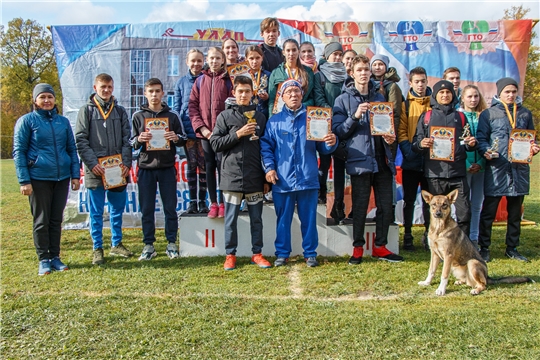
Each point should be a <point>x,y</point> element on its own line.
<point>310,63</point>
<point>335,72</point>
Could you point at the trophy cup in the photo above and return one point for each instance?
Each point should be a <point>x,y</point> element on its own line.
<point>250,116</point>
<point>465,134</point>
<point>492,151</point>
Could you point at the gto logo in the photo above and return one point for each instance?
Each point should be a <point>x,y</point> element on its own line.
<point>411,37</point>
<point>474,37</point>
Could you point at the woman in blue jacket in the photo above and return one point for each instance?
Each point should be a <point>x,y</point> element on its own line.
<point>46,159</point>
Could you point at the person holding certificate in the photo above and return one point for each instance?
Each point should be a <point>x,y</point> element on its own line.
<point>504,177</point>
<point>156,131</point>
<point>103,131</point>
<point>437,137</point>
<point>369,160</point>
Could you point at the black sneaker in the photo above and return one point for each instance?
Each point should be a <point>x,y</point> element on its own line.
<point>203,209</point>
<point>192,208</point>
<point>425,241</point>
<point>484,253</point>
<point>356,258</point>
<point>514,254</point>
<point>408,242</point>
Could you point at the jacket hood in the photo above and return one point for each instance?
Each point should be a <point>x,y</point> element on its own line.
<point>350,88</point>
<point>223,73</point>
<point>497,101</point>
<point>94,95</point>
<point>164,108</point>
<point>230,103</point>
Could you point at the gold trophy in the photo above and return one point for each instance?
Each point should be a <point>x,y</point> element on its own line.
<point>251,119</point>
<point>465,134</point>
<point>492,151</point>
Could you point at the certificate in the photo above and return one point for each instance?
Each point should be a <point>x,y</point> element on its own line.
<point>113,171</point>
<point>318,122</point>
<point>157,127</point>
<point>520,146</point>
<point>278,101</point>
<point>239,69</point>
<point>443,143</point>
<point>381,118</point>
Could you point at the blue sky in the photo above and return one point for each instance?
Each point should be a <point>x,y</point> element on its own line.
<point>136,11</point>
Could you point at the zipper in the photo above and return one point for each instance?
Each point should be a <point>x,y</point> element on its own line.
<point>55,150</point>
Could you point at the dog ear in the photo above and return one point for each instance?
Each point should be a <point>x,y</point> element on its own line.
<point>427,196</point>
<point>452,196</point>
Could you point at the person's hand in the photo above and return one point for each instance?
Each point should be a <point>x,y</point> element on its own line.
<point>26,189</point>
<point>248,129</point>
<point>125,170</point>
<point>474,168</point>
<point>330,139</point>
<point>389,138</point>
<point>75,184</point>
<point>205,132</point>
<point>266,188</point>
<point>263,95</point>
<point>535,148</point>
<point>361,110</point>
<point>470,140</point>
<point>144,137</point>
<point>272,177</point>
<point>426,143</point>
<point>171,136</point>
<point>488,155</point>
<point>98,170</point>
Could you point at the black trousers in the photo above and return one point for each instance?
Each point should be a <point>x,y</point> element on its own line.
<point>487,216</point>
<point>361,191</point>
<point>213,164</point>
<point>339,177</point>
<point>410,181</point>
<point>47,204</point>
<point>440,186</point>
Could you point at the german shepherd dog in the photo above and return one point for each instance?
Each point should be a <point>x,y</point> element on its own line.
<point>449,243</point>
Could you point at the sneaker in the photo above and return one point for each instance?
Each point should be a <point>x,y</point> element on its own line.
<point>203,209</point>
<point>425,241</point>
<point>311,261</point>
<point>120,250</point>
<point>281,261</point>
<point>98,258</point>
<point>514,254</point>
<point>321,201</point>
<point>148,253</point>
<point>408,242</point>
<point>230,262</point>
<point>259,260</point>
<point>44,267</point>
<point>484,253</point>
<point>383,253</point>
<point>356,258</point>
<point>221,210</point>
<point>58,265</point>
<point>214,210</point>
<point>172,251</point>
<point>192,208</point>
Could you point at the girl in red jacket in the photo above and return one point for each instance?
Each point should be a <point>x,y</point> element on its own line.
<point>206,101</point>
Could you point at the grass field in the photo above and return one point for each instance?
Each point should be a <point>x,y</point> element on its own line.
<point>191,308</point>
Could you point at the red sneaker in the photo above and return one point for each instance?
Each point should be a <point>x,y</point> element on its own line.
<point>221,211</point>
<point>214,209</point>
<point>358,253</point>
<point>230,262</point>
<point>383,253</point>
<point>259,260</point>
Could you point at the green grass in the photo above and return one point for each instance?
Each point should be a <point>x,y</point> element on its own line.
<point>191,308</point>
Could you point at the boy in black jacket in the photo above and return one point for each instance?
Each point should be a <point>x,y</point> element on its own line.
<point>242,175</point>
<point>157,167</point>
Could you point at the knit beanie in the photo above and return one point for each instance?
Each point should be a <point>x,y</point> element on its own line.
<point>380,57</point>
<point>289,83</point>
<point>332,47</point>
<point>504,82</point>
<point>443,84</point>
<point>42,88</point>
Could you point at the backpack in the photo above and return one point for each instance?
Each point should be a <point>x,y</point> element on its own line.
<point>427,118</point>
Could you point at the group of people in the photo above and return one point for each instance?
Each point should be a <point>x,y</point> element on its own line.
<point>252,131</point>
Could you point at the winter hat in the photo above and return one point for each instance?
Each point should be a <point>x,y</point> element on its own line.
<point>42,88</point>
<point>443,84</point>
<point>504,82</point>
<point>289,83</point>
<point>332,47</point>
<point>380,57</point>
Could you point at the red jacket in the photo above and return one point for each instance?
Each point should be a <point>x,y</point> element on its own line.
<point>207,99</point>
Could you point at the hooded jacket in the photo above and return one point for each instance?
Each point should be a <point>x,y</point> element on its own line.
<point>241,167</point>
<point>407,128</point>
<point>442,115</point>
<point>503,178</point>
<point>44,148</point>
<point>207,99</point>
<point>98,137</point>
<point>285,148</point>
<point>328,92</point>
<point>157,159</point>
<point>361,154</point>
<point>182,92</point>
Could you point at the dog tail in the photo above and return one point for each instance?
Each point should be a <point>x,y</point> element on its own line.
<point>509,280</point>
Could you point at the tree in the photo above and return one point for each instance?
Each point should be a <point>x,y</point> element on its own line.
<point>26,59</point>
<point>531,88</point>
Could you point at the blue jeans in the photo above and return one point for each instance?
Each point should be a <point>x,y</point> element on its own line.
<point>476,183</point>
<point>284,204</point>
<point>232,207</point>
<point>117,203</point>
<point>148,180</point>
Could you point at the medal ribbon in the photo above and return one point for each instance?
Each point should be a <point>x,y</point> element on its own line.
<point>512,119</point>
<point>105,115</point>
<point>289,71</point>
<point>258,82</point>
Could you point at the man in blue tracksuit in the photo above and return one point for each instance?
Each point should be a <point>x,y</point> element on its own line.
<point>290,163</point>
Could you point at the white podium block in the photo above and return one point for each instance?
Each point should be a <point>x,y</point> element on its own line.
<point>201,236</point>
